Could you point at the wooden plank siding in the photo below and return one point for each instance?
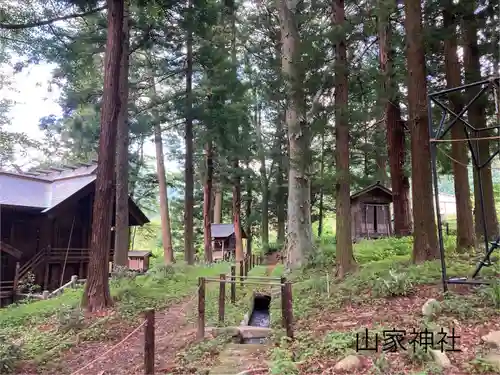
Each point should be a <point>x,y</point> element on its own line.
<point>370,210</point>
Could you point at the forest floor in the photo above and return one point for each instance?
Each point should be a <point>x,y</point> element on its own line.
<point>121,349</point>
<point>383,298</point>
<point>386,295</point>
<point>56,336</point>
<point>172,333</point>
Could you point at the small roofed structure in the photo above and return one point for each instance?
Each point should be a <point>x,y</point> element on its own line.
<point>224,240</point>
<point>139,260</point>
<point>370,212</point>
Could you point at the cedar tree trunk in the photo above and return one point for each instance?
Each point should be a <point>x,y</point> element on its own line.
<point>166,231</point>
<point>299,231</point>
<point>345,259</point>
<point>121,216</point>
<point>476,116</point>
<point>96,295</point>
<point>207,196</point>
<point>188,168</point>
<point>425,244</point>
<point>218,204</point>
<point>465,224</point>
<point>395,128</point>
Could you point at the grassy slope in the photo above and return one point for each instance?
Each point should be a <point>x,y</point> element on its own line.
<point>385,273</point>
<point>41,330</point>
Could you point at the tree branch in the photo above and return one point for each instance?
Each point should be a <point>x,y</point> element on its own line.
<point>19,26</point>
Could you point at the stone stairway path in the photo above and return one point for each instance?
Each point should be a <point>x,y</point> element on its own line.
<point>240,357</point>
<point>237,358</point>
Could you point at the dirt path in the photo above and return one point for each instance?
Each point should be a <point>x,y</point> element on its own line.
<point>172,333</point>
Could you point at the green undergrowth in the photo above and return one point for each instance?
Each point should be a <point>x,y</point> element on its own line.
<point>234,313</point>
<point>199,354</point>
<point>40,330</point>
<point>384,271</point>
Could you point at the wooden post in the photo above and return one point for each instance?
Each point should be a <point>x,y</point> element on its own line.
<point>283,301</point>
<point>16,282</point>
<point>288,310</point>
<point>201,308</point>
<point>233,284</point>
<point>222,297</point>
<point>149,342</point>
<point>74,281</point>
<point>253,260</point>
<point>46,274</point>
<point>242,272</point>
<point>246,265</point>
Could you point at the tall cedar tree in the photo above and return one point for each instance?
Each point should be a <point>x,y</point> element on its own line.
<point>248,210</point>
<point>96,295</point>
<point>476,116</point>
<point>394,124</point>
<point>465,223</point>
<point>299,238</point>
<point>207,197</point>
<point>121,217</point>
<point>218,203</point>
<point>282,156</point>
<point>425,246</point>
<point>166,230</point>
<point>188,168</point>
<point>236,169</point>
<point>264,182</point>
<point>345,258</point>
<point>281,182</point>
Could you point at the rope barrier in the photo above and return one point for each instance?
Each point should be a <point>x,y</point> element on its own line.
<point>460,163</point>
<point>131,334</point>
<point>183,308</point>
<point>109,350</point>
<point>134,331</point>
<point>497,137</point>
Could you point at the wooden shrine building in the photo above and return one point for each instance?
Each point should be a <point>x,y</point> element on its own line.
<point>224,240</point>
<point>46,225</point>
<point>370,212</point>
<point>138,260</point>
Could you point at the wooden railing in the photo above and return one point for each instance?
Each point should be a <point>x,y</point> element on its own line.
<point>71,254</point>
<point>6,288</point>
<point>32,264</point>
<point>10,249</point>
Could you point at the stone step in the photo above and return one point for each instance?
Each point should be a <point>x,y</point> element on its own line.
<point>236,358</point>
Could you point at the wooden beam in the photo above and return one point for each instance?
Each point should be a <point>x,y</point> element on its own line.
<point>67,166</point>
<point>57,169</point>
<point>43,171</point>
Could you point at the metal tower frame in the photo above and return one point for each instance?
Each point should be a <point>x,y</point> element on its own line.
<point>458,119</point>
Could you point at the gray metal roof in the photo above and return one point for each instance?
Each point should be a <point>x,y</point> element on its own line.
<point>139,254</point>
<point>224,230</point>
<point>46,190</point>
<point>376,185</point>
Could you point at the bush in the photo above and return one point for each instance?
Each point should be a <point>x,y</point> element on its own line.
<point>323,256</point>
<point>120,272</point>
<point>394,284</point>
<point>70,318</point>
<point>9,355</point>
<point>491,294</point>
